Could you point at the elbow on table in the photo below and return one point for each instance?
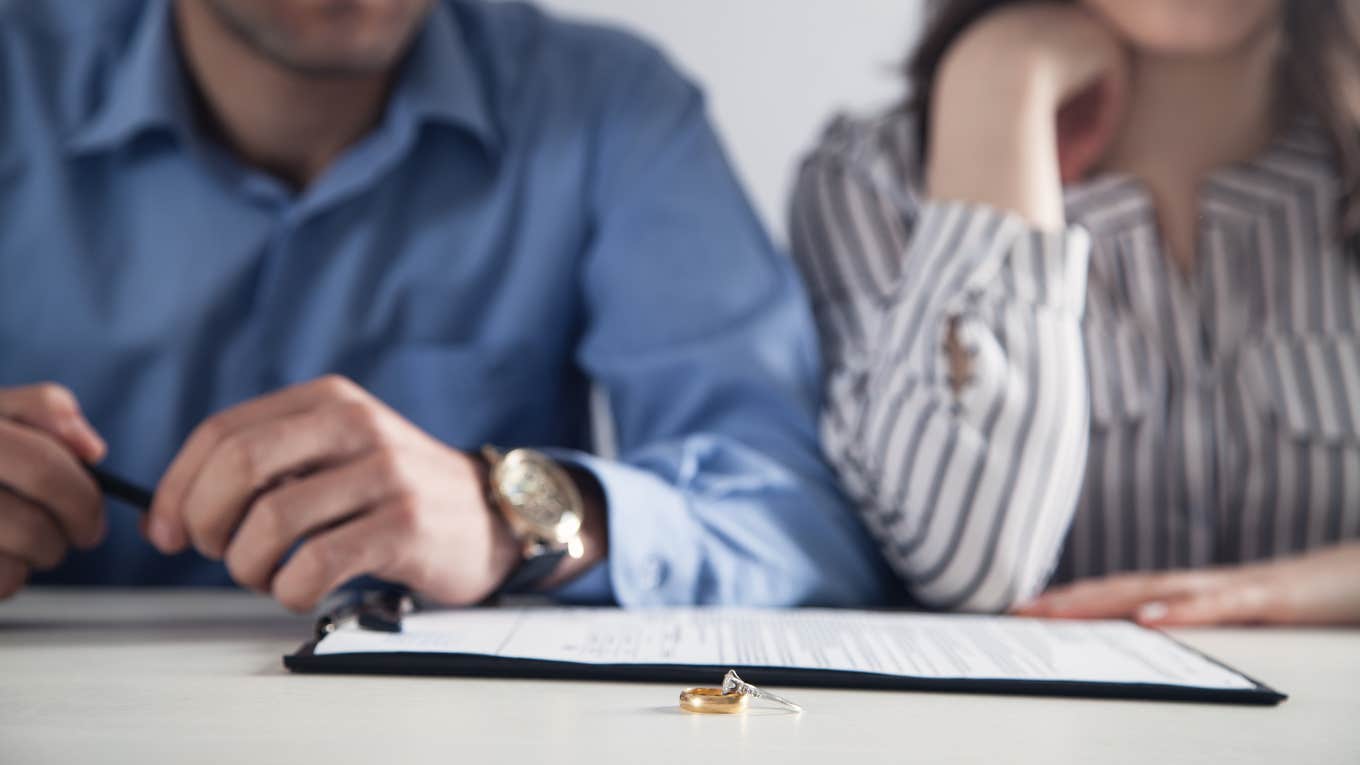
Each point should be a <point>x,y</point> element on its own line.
<point>996,585</point>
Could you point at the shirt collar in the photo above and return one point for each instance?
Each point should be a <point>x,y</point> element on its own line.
<point>147,88</point>
<point>1298,173</point>
<point>440,81</point>
<point>1296,170</point>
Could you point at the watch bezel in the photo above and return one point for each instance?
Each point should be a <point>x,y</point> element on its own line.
<point>561,534</point>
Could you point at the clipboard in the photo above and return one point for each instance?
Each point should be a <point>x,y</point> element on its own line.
<point>378,619</point>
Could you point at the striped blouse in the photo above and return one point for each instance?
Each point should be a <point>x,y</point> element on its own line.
<point>1119,415</point>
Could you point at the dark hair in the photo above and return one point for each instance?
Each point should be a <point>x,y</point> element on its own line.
<point>1321,70</point>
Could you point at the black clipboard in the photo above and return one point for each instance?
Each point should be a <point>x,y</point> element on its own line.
<point>383,613</point>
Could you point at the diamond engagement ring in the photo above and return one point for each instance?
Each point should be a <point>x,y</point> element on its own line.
<point>733,684</point>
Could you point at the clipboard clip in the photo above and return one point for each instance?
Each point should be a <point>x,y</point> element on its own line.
<point>376,610</point>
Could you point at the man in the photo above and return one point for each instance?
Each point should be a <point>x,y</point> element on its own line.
<point>304,258</point>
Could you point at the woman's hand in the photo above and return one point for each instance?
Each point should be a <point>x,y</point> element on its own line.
<point>1322,587</point>
<point>1027,98</point>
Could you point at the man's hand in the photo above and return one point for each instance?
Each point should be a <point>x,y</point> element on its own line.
<point>48,502</point>
<point>1318,588</point>
<point>328,469</point>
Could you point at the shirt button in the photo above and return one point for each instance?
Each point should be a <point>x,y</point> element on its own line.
<point>652,574</point>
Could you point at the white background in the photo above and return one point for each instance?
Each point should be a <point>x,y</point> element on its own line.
<point>774,70</point>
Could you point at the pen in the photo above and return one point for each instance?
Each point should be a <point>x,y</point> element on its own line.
<point>122,490</point>
<point>376,610</point>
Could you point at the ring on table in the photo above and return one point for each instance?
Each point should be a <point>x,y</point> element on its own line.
<point>734,685</point>
<point>712,701</point>
<point>731,698</point>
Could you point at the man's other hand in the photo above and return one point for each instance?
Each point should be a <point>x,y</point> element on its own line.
<point>48,501</point>
<point>330,473</point>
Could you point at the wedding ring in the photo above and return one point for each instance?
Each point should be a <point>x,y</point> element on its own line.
<point>733,697</point>
<point>712,701</point>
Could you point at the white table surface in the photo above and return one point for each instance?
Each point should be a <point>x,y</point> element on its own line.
<point>195,676</point>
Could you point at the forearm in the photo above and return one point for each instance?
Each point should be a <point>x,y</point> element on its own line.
<point>970,489</point>
<point>998,101</point>
<point>993,142</point>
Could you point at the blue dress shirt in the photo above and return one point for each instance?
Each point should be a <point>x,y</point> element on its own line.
<point>542,207</point>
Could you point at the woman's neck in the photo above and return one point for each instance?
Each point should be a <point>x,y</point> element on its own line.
<point>1188,116</point>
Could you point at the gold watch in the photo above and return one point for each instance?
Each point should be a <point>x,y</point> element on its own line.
<point>539,500</point>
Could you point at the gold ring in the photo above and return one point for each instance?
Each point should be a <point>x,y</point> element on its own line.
<point>712,701</point>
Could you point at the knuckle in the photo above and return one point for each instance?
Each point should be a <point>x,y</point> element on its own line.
<point>1196,583</point>
<point>1260,598</point>
<point>55,399</point>
<point>390,469</point>
<point>1161,581</point>
<point>317,560</point>
<point>270,517</point>
<point>243,456</point>
<point>210,431</point>
<point>338,386</point>
<point>404,514</point>
<point>49,481</point>
<point>208,531</point>
<point>362,418</point>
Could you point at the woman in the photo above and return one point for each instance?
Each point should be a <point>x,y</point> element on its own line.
<point>1091,309</point>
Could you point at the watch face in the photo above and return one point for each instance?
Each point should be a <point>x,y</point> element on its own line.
<point>540,493</point>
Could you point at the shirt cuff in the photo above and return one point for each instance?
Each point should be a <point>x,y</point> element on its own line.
<point>982,249</point>
<point>653,556</point>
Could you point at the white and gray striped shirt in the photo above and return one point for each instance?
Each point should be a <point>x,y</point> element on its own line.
<point>1120,415</point>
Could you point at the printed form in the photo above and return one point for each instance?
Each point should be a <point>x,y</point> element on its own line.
<point>920,645</point>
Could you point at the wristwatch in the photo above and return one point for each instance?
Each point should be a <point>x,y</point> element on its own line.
<point>543,507</point>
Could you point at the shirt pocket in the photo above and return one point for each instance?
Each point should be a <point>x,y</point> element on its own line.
<point>463,395</point>
<point>1119,365</point>
<point>1307,386</point>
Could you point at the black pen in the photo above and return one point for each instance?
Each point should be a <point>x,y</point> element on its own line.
<point>122,490</point>
<point>376,610</point>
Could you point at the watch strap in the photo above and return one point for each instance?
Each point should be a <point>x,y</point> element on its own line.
<point>531,571</point>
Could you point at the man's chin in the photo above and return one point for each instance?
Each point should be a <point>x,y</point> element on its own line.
<point>329,45</point>
<point>332,64</point>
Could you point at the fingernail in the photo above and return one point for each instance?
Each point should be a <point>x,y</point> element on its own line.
<point>1151,612</point>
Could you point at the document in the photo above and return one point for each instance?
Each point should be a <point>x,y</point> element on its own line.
<point>916,645</point>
